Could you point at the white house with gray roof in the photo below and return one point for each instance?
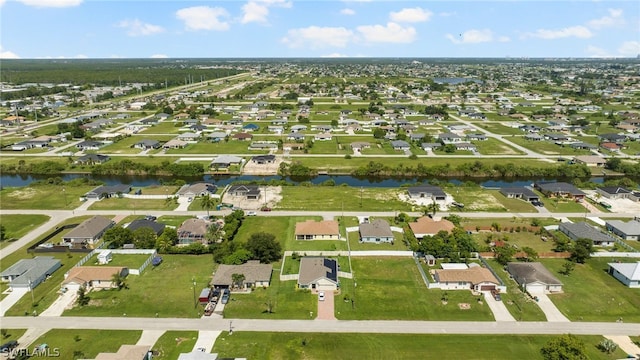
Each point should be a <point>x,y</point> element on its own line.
<point>626,273</point>
<point>88,232</point>
<point>629,230</point>
<point>579,230</point>
<point>29,273</point>
<point>377,231</point>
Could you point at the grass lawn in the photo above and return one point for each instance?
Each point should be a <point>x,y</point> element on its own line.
<point>493,146</point>
<point>338,198</point>
<point>156,189</point>
<point>477,199</point>
<point>12,334</point>
<point>16,226</point>
<point>391,288</point>
<point>521,239</point>
<point>164,127</point>
<point>513,205</point>
<point>125,146</point>
<point>172,343</point>
<point>131,261</point>
<point>591,294</point>
<point>633,243</point>
<point>398,243</point>
<point>151,293</point>
<point>283,345</point>
<point>116,203</point>
<point>172,220</point>
<point>287,301</point>
<point>546,147</point>
<point>564,205</point>
<point>43,197</point>
<point>520,305</point>
<point>500,129</point>
<point>86,344</point>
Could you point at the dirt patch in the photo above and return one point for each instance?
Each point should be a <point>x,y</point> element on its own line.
<point>181,340</point>
<point>251,168</point>
<point>506,150</point>
<point>27,193</point>
<point>483,202</point>
<point>464,306</point>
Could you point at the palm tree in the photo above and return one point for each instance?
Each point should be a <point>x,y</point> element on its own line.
<point>207,203</point>
<point>431,208</point>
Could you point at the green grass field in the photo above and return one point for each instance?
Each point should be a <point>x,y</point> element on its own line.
<point>172,343</point>
<point>391,289</point>
<point>16,226</point>
<point>493,146</point>
<point>591,294</point>
<point>341,198</point>
<point>282,345</point>
<point>151,293</point>
<point>43,197</point>
<point>116,203</point>
<point>86,344</point>
<point>12,334</point>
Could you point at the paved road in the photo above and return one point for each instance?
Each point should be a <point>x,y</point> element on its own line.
<point>330,326</point>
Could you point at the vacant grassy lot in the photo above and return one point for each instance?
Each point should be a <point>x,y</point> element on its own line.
<point>521,239</point>
<point>125,146</point>
<point>547,147</point>
<point>338,198</point>
<point>116,203</point>
<point>493,146</point>
<point>391,288</point>
<point>86,344</point>
<point>520,305</point>
<point>591,294</point>
<point>476,199</point>
<point>564,205</point>
<point>43,197</point>
<point>172,343</point>
<point>498,128</point>
<point>16,226</point>
<point>263,345</point>
<point>173,220</point>
<point>287,302</point>
<point>151,293</point>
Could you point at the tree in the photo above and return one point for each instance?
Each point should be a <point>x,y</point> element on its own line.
<point>431,208</point>
<point>531,254</point>
<point>119,281</point>
<point>238,257</point>
<point>3,232</point>
<point>567,268</point>
<point>564,347</point>
<point>207,203</point>
<point>167,239</point>
<point>504,254</point>
<point>82,298</point>
<point>379,133</point>
<point>118,236</point>
<point>264,247</point>
<point>144,238</point>
<point>238,280</point>
<point>608,346</point>
<point>581,250</point>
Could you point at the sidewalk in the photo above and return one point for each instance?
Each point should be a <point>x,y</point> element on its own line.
<point>625,343</point>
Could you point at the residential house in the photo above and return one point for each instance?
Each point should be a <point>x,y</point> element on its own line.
<point>92,277</point>
<point>629,230</point>
<point>265,145</point>
<point>400,145</point>
<point>582,146</point>
<point>255,275</point>
<point>242,136</point>
<point>534,277</point>
<point>189,137</point>
<point>147,144</point>
<point>590,160</point>
<point>250,192</point>
<point>477,137</point>
<point>91,159</point>
<point>612,138</point>
<point>474,278</point>
<point>317,230</point>
<point>217,136</point>
<point>431,192</point>
<point>250,127</point>
<point>626,273</point>
<point>581,229</point>
<point>376,231</point>
<point>132,352</point>
<point>29,273</point>
<point>359,146</point>
<point>193,230</point>
<point>157,227</point>
<point>533,137</point>
<point>427,226</point>
<point>617,192</point>
<point>323,137</point>
<point>197,189</point>
<point>175,144</point>
<point>450,138</point>
<point>559,189</point>
<point>298,128</point>
<point>318,273</point>
<point>89,145</point>
<point>263,159</point>
<point>88,232</point>
<point>226,161</point>
<point>430,146</point>
<point>611,146</point>
<point>520,192</point>
<point>107,191</point>
<point>295,137</point>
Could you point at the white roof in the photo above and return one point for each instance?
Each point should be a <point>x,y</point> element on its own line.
<point>630,270</point>
<point>454,266</point>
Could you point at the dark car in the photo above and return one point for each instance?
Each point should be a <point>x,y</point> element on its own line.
<point>225,298</point>
<point>8,346</point>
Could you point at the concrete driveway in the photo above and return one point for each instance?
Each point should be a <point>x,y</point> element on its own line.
<point>62,302</point>
<point>499,309</point>
<point>206,339</point>
<point>183,204</point>
<point>625,343</point>
<point>549,309</point>
<point>149,337</point>
<point>326,309</point>
<point>11,299</point>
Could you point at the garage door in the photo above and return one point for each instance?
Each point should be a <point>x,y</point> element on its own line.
<point>535,288</point>
<point>487,287</point>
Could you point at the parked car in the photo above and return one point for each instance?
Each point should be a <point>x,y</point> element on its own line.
<point>251,213</point>
<point>321,296</point>
<point>496,295</point>
<point>225,298</point>
<point>8,346</point>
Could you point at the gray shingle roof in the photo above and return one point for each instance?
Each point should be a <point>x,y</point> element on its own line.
<point>528,272</point>
<point>314,268</point>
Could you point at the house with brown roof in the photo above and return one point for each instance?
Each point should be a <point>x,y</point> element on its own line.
<point>88,232</point>
<point>255,275</point>
<point>92,277</point>
<point>242,136</point>
<point>193,230</point>
<point>474,278</point>
<point>427,226</point>
<point>376,231</point>
<point>317,230</point>
<point>318,273</point>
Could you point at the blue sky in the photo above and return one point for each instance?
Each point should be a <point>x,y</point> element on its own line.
<point>318,28</point>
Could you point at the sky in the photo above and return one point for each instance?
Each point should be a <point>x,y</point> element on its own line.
<point>31,29</point>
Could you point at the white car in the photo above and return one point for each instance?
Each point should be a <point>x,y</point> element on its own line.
<point>251,213</point>
<point>321,296</point>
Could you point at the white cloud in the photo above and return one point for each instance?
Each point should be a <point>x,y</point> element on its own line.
<point>2,2</point>
<point>316,37</point>
<point>51,3</point>
<point>447,14</point>
<point>258,10</point>
<point>613,19</point>
<point>6,54</point>
<point>597,52</point>
<point>392,33</point>
<point>474,36</point>
<point>203,18</point>
<point>411,15</point>
<point>136,27</point>
<point>158,56</point>
<point>629,48</point>
<point>335,55</point>
<point>504,39</point>
<point>574,31</point>
<point>347,11</point>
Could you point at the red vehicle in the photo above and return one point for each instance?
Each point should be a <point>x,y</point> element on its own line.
<point>265,208</point>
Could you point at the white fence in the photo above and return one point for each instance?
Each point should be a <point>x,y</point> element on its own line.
<point>403,253</point>
<point>616,254</point>
<point>152,253</point>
